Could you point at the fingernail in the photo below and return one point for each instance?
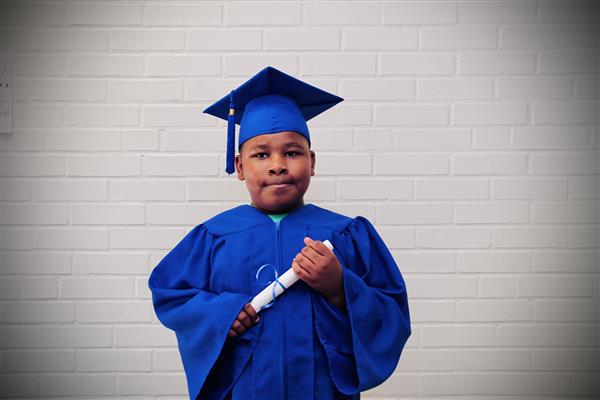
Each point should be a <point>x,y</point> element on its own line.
<point>256,320</point>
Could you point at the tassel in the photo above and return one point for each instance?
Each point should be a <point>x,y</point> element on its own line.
<point>230,136</point>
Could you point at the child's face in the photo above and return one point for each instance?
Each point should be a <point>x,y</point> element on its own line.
<point>277,168</point>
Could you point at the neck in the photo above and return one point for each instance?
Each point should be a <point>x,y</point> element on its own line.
<point>282,211</point>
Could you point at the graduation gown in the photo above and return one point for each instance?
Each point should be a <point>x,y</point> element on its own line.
<point>303,347</point>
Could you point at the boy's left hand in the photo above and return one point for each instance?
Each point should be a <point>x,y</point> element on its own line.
<point>318,266</point>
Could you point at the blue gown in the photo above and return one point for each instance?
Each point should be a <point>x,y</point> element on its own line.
<point>303,347</point>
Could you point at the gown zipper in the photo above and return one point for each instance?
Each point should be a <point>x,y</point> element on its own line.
<point>280,267</point>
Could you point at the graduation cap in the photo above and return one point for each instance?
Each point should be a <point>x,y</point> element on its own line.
<point>269,102</point>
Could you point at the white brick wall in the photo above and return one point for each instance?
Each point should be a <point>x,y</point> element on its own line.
<point>469,136</point>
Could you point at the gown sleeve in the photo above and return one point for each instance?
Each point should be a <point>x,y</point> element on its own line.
<point>363,343</point>
<point>200,318</point>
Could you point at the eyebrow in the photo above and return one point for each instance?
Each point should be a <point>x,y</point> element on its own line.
<point>285,145</point>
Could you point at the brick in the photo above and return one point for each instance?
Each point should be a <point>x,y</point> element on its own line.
<point>575,11</point>
<point>489,164</point>
<point>495,213</point>
<point>175,116</point>
<point>497,12</point>
<point>368,188</point>
<point>105,64</point>
<point>150,385</point>
<point>223,40</point>
<point>494,63</point>
<point>346,115</point>
<point>409,164</point>
<point>432,139</point>
<point>584,236</point>
<point>415,213</point>
<point>329,140</point>
<point>69,39</point>
<point>493,310</point>
<point>38,115</point>
<point>37,312</point>
<point>538,37</point>
<point>572,163</point>
<point>104,311</point>
<point>344,165</point>
<point>426,360</point>
<point>17,239</point>
<point>451,189</point>
<point>180,165</point>
<point>542,335</point>
<point>550,138</point>
<point>529,188</point>
<point>104,14</point>
<point>78,385</point>
<point>39,288</point>
<point>425,261</point>
<point>442,287</point>
<point>373,139</point>
<point>38,360</point>
<point>104,165</point>
<point>19,337</point>
<point>302,39</point>
<point>403,115</point>
<point>209,89</point>
<point>71,238</point>
<point>114,360</point>
<point>71,189</point>
<point>561,113</point>
<point>587,336</point>
<point>491,138</point>
<point>497,287</point>
<point>533,88</point>
<point>102,214</point>
<point>530,237</point>
<point>458,38</point>
<point>568,62</point>
<point>573,212</point>
<point>25,165</point>
<point>419,13</point>
<point>377,89</point>
<point>458,336</point>
<point>493,360</point>
<point>585,384</point>
<point>262,14</point>
<point>456,384</point>
<point>13,190</point>
<point>492,113</point>
<point>75,336</point>
<point>146,39</point>
<point>167,360</point>
<point>566,261</point>
<point>110,263</point>
<point>34,214</point>
<point>16,38</point>
<point>182,14</point>
<point>532,384</point>
<point>38,263</point>
<point>566,310</point>
<point>181,214</point>
<point>141,140</point>
<point>338,64</point>
<point>455,88</point>
<point>32,13</point>
<point>380,39</point>
<point>425,64</point>
<point>398,237</point>
<point>183,64</point>
<point>565,360</point>
<point>147,190</point>
<point>249,64</point>
<point>26,140</point>
<point>145,90</point>
<point>83,140</point>
<point>38,64</point>
<point>139,238</point>
<point>429,311</point>
<point>494,261</point>
<point>153,336</point>
<point>321,190</point>
<point>453,237</point>
<point>102,115</point>
<point>59,90</point>
<point>219,190</point>
<point>335,14</point>
<point>555,286</point>
<point>586,88</point>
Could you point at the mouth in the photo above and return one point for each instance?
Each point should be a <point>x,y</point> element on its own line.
<point>280,184</point>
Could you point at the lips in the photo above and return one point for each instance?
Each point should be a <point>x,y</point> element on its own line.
<point>279,183</point>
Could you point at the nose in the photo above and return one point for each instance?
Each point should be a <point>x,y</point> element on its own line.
<point>277,166</point>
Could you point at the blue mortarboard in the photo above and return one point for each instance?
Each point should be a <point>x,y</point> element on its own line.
<point>269,102</point>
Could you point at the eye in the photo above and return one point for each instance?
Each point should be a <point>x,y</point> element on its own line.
<point>258,155</point>
<point>293,153</point>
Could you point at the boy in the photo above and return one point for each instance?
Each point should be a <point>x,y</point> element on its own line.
<point>339,330</point>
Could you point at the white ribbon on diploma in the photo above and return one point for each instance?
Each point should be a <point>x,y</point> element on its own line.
<point>275,289</point>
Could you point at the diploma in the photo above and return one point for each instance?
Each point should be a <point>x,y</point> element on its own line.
<point>275,289</point>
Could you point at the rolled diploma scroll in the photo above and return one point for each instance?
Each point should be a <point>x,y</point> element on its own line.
<point>287,279</point>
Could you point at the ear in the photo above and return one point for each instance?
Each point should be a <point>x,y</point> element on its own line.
<point>313,160</point>
<point>238,167</point>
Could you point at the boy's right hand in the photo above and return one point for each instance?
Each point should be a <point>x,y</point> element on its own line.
<point>245,320</point>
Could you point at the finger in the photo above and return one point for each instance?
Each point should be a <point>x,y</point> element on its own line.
<point>238,327</point>
<point>317,245</point>
<point>251,312</point>
<point>311,254</point>
<point>301,272</point>
<point>304,264</point>
<point>231,333</point>
<point>245,319</point>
